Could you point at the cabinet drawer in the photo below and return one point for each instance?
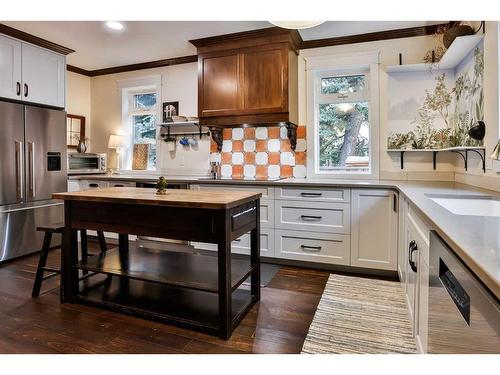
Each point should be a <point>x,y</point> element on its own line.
<point>313,247</point>
<point>92,184</point>
<point>312,194</point>
<point>316,217</point>
<point>121,184</point>
<point>242,244</point>
<point>266,191</point>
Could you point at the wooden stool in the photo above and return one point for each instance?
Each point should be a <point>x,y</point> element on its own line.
<point>42,268</point>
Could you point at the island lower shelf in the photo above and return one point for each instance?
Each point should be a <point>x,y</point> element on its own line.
<point>166,303</point>
<point>194,271</point>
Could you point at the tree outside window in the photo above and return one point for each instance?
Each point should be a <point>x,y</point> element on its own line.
<point>343,123</point>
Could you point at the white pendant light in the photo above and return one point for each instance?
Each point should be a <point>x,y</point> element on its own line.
<point>296,25</point>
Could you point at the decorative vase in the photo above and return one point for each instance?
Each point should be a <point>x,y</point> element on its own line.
<point>478,131</point>
<point>454,32</point>
<point>82,147</point>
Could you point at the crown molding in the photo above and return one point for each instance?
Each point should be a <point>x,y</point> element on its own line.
<point>40,42</point>
<point>372,37</point>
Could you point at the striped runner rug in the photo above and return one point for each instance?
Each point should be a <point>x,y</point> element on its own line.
<point>360,315</point>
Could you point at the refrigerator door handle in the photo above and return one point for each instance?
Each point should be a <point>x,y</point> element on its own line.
<point>31,171</point>
<point>19,170</point>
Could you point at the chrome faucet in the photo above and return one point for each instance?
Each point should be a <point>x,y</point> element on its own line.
<point>215,170</point>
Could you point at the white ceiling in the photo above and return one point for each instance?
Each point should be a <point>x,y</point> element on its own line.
<point>98,47</point>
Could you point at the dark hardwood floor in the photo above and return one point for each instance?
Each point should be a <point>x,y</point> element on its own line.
<point>278,324</point>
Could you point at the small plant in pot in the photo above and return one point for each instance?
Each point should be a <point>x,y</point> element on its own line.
<point>161,186</point>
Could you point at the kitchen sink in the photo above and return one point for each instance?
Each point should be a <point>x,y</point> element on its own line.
<point>470,205</point>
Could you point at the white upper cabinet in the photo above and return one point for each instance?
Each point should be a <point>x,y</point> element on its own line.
<point>374,226</point>
<point>43,75</point>
<point>10,68</point>
<point>31,74</point>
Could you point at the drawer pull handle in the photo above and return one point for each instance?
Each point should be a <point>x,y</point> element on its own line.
<point>310,248</point>
<point>237,240</point>
<point>93,185</point>
<point>310,217</point>
<point>304,194</point>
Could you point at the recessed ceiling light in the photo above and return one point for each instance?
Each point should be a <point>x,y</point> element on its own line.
<point>297,25</point>
<point>114,25</point>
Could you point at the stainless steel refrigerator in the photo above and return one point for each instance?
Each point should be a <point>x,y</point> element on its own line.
<point>33,165</point>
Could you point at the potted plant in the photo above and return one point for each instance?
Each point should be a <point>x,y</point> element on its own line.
<point>161,186</point>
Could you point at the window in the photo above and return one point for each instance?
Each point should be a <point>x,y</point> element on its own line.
<point>342,102</point>
<point>142,112</point>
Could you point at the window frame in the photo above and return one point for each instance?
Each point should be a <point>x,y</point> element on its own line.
<point>128,88</point>
<point>134,111</point>
<point>318,67</point>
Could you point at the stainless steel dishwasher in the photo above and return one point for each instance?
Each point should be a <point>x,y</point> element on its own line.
<point>463,316</point>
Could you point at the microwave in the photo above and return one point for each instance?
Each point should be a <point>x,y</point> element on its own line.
<point>86,163</point>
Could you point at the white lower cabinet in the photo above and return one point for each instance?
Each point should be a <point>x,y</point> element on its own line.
<point>417,275</point>
<point>242,244</point>
<point>313,216</point>
<point>374,224</point>
<point>312,246</point>
<point>74,185</point>
<point>92,184</point>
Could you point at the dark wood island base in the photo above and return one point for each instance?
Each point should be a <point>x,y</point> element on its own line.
<point>200,292</point>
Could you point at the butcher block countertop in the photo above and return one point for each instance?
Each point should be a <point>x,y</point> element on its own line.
<point>222,199</point>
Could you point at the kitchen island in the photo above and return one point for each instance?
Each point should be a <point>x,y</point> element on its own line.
<point>196,291</point>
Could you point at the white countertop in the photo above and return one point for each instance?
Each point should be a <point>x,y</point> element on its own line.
<point>475,239</point>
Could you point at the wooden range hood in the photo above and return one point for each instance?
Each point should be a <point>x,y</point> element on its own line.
<point>248,79</point>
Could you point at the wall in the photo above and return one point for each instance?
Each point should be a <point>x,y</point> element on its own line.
<point>179,83</point>
<point>78,96</point>
<point>474,175</point>
<point>413,49</point>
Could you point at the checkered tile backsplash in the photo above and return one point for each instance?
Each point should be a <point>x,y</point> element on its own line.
<point>261,152</point>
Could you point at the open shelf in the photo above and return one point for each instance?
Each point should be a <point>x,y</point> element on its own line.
<point>188,307</point>
<point>460,48</point>
<point>178,269</point>
<point>179,123</point>
<point>462,151</point>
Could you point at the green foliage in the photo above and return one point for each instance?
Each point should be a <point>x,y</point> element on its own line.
<point>334,85</point>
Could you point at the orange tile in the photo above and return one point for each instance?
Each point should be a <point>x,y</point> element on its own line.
<point>261,146</point>
<point>273,133</point>
<point>249,133</point>
<point>301,132</point>
<point>213,146</point>
<point>261,171</point>
<point>286,171</point>
<point>226,157</point>
<point>227,133</point>
<point>285,145</point>
<point>249,157</point>
<point>300,158</point>
<point>273,158</point>
<point>237,171</point>
<point>237,146</point>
